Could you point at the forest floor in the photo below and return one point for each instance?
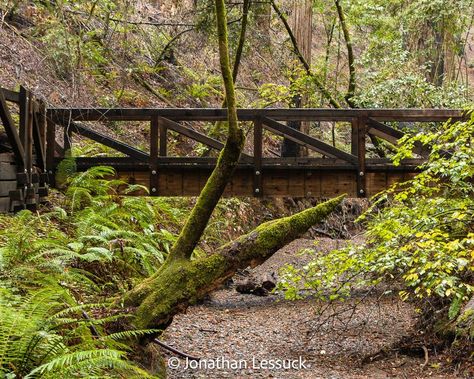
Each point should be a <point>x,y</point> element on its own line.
<point>231,330</point>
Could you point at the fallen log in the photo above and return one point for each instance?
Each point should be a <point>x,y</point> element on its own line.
<point>260,285</point>
<point>182,282</point>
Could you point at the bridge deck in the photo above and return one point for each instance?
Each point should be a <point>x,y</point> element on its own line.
<point>43,135</point>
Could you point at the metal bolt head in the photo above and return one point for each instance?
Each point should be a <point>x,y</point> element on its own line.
<point>153,190</point>
<point>257,190</point>
<point>361,191</point>
<point>257,172</point>
<point>153,172</point>
<point>361,173</point>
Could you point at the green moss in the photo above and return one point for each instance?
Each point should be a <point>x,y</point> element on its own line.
<point>465,324</point>
<point>274,234</point>
<point>182,282</point>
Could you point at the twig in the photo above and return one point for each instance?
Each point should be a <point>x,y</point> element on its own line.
<point>207,330</point>
<point>92,327</point>
<point>425,350</point>
<point>173,350</point>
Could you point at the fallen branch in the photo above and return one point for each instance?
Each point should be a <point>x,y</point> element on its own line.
<point>176,351</point>
<point>181,282</point>
<point>427,358</point>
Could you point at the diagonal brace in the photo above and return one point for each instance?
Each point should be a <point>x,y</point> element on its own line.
<point>308,141</point>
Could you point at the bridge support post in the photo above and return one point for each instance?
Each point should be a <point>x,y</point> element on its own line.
<point>358,148</point>
<point>163,135</point>
<point>24,176</point>
<point>257,157</point>
<point>50,149</point>
<point>154,136</point>
<point>67,136</point>
<point>39,135</point>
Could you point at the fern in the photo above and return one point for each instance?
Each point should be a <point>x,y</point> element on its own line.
<point>89,249</point>
<point>41,335</point>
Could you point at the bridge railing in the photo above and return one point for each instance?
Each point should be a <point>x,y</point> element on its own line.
<point>364,123</point>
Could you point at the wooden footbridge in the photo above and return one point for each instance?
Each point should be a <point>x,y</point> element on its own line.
<point>39,137</point>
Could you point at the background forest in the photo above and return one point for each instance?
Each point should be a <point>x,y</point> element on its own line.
<point>64,269</point>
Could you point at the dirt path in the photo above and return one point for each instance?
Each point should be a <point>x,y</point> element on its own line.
<point>241,336</point>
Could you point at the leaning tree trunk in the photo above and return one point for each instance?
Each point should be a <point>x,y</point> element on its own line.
<point>183,282</point>
<point>182,250</point>
<point>228,159</point>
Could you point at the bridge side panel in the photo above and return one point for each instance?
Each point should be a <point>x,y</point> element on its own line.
<point>275,182</point>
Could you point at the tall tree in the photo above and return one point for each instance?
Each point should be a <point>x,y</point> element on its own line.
<point>302,26</point>
<point>182,281</point>
<point>263,17</point>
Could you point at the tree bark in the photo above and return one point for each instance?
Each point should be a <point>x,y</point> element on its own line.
<point>183,282</point>
<point>228,158</point>
<point>302,27</point>
<point>350,55</point>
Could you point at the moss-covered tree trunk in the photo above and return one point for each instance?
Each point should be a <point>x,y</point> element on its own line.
<point>181,281</point>
<point>228,158</point>
<point>182,250</point>
<point>184,282</point>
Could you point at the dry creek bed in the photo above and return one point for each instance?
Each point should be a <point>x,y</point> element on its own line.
<point>240,336</point>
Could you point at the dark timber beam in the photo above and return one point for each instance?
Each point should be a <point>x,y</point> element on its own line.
<point>107,141</point>
<point>308,141</point>
<point>193,134</point>
<point>153,163</point>
<point>392,135</point>
<point>257,157</point>
<point>216,114</point>
<point>383,131</point>
<point>11,96</point>
<point>296,164</point>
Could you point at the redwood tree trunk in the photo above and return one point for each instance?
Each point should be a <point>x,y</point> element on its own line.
<point>302,25</point>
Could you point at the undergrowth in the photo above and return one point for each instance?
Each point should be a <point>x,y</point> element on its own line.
<point>419,239</point>
<point>62,269</point>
